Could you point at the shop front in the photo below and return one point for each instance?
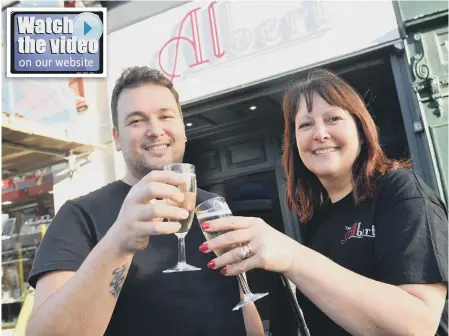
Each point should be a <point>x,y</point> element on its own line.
<point>36,149</point>
<point>27,209</point>
<point>40,147</point>
<point>231,62</point>
<point>223,56</point>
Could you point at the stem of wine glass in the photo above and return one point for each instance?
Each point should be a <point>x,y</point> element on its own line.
<point>181,250</point>
<point>243,284</point>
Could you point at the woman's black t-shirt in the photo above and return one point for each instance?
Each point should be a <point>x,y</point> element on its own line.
<point>400,237</point>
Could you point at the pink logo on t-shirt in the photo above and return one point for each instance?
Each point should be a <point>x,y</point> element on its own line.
<point>356,232</point>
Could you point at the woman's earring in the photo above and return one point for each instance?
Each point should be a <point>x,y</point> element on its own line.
<point>185,138</point>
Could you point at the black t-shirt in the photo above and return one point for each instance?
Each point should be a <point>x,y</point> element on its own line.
<point>150,302</point>
<point>400,237</point>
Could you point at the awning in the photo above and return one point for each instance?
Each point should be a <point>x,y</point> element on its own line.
<point>28,146</point>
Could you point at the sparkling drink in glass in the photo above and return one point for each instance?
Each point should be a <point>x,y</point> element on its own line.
<point>187,172</point>
<point>215,208</point>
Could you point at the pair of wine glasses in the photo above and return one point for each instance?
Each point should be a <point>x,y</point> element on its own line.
<point>211,209</point>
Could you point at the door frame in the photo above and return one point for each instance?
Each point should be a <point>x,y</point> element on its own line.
<point>417,137</point>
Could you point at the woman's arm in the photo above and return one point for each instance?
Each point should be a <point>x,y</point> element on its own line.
<point>360,305</point>
<point>363,306</point>
<point>409,255</point>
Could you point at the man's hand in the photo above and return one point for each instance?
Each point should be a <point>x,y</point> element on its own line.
<point>142,215</point>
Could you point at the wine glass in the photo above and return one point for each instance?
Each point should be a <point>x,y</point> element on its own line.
<point>187,172</point>
<point>215,208</point>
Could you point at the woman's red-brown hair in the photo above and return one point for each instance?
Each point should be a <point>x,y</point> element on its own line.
<point>304,191</point>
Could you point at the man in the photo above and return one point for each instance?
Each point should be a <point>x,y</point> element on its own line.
<point>99,267</point>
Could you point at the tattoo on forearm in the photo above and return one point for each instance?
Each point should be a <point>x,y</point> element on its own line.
<point>118,277</point>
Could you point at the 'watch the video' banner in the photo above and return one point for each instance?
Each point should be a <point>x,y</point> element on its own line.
<point>56,42</point>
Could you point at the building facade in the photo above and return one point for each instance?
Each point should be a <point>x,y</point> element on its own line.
<point>231,62</point>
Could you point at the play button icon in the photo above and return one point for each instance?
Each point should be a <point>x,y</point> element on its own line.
<point>87,26</point>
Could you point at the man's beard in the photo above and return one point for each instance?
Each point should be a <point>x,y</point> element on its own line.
<point>139,168</point>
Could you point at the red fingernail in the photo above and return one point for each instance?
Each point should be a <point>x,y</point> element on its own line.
<point>211,264</point>
<point>224,271</point>
<point>205,226</point>
<point>204,248</point>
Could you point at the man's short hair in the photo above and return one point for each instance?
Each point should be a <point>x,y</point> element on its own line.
<point>134,77</point>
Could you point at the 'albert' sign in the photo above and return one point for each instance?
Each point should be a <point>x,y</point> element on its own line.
<point>210,48</point>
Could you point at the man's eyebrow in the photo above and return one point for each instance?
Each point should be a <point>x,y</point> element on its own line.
<point>135,114</point>
<point>143,115</point>
<point>166,109</point>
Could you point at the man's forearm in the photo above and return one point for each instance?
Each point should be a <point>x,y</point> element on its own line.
<point>251,316</point>
<point>253,323</point>
<point>84,305</point>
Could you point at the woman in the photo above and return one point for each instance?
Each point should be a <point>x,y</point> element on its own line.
<point>374,260</point>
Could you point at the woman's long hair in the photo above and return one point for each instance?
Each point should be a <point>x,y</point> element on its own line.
<point>305,192</point>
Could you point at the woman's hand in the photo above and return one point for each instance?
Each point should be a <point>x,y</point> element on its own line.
<point>264,247</point>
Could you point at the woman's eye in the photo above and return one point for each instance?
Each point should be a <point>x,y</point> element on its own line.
<point>303,125</point>
<point>134,122</point>
<point>166,117</point>
<point>335,118</point>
